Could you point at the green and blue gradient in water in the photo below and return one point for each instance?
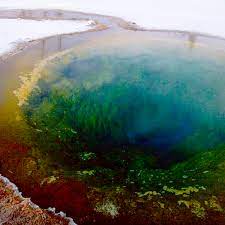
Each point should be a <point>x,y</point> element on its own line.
<point>135,105</point>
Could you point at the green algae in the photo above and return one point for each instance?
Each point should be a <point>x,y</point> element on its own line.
<point>148,123</point>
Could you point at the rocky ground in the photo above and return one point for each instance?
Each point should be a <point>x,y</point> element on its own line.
<point>14,209</point>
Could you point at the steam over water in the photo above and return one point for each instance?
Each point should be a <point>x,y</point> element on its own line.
<point>122,118</point>
<point>158,96</point>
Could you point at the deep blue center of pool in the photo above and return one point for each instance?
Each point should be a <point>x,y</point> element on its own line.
<point>159,99</point>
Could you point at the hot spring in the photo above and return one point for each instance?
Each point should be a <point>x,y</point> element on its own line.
<point>164,98</point>
<point>133,111</point>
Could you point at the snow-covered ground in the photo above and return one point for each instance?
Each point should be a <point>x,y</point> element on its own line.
<point>204,16</point>
<point>13,31</point>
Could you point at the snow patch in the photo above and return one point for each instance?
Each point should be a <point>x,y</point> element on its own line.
<point>62,214</point>
<point>19,30</point>
<point>204,16</point>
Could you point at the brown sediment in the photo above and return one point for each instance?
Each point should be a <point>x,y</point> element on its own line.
<point>14,209</point>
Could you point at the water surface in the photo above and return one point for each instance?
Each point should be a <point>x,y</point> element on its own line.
<point>126,117</point>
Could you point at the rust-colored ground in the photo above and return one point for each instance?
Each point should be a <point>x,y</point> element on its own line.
<point>77,200</point>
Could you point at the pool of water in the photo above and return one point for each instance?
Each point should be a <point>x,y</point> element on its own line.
<point>129,115</point>
<point>160,96</point>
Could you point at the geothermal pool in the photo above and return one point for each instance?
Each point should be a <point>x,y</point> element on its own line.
<point>122,119</point>
<point>163,97</point>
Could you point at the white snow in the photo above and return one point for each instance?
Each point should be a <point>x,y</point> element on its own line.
<point>13,31</point>
<point>204,16</point>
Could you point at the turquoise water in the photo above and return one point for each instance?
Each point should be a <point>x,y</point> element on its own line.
<point>164,98</point>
